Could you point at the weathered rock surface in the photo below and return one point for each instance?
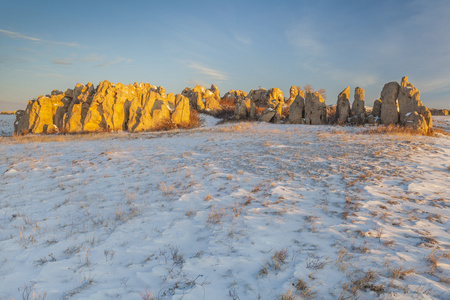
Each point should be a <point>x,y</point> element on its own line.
<point>116,107</point>
<point>297,110</point>
<point>293,92</point>
<point>358,105</point>
<point>343,106</point>
<point>268,115</point>
<point>408,98</point>
<point>203,99</point>
<point>245,109</point>
<point>315,109</point>
<point>376,111</point>
<point>389,106</point>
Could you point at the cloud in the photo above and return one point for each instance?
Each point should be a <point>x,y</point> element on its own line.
<point>17,35</point>
<point>208,71</point>
<point>303,36</point>
<point>242,39</point>
<point>92,58</point>
<point>62,61</point>
<point>433,85</point>
<point>113,62</point>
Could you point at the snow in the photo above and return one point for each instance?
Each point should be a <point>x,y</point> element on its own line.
<point>200,214</point>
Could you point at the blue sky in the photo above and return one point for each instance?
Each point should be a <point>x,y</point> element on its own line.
<point>46,45</point>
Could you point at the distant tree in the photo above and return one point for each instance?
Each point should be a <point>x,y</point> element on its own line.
<point>310,89</point>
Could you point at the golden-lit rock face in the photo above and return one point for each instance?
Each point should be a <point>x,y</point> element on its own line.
<point>343,105</point>
<point>109,107</point>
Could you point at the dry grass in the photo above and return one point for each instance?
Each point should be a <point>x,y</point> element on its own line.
<point>215,215</point>
<point>391,130</point>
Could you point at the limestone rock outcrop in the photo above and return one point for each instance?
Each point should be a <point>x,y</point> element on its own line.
<point>109,107</point>
<point>376,111</point>
<point>297,109</point>
<point>343,106</point>
<point>293,92</point>
<point>315,109</point>
<point>245,109</point>
<point>358,106</point>
<point>203,99</point>
<point>389,106</point>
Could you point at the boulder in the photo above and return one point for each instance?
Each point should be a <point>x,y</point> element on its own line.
<point>267,115</point>
<point>416,121</point>
<point>297,110</point>
<point>389,106</point>
<point>315,109</point>
<point>376,111</point>
<point>240,110</point>
<point>343,106</point>
<point>408,98</point>
<point>293,92</point>
<point>358,105</point>
<point>181,114</point>
<point>259,96</point>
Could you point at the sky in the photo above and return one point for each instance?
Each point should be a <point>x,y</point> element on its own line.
<point>240,45</point>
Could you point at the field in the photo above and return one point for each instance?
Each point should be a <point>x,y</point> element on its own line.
<point>234,211</point>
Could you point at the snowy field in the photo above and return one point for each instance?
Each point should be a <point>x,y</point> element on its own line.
<point>235,211</point>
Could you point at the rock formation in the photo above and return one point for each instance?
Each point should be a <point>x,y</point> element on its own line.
<point>116,107</point>
<point>358,106</point>
<point>245,109</point>
<point>315,109</point>
<point>297,109</point>
<point>389,106</point>
<point>293,92</point>
<point>343,106</point>
<point>376,111</point>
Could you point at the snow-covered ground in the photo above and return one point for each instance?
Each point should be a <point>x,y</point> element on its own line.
<point>442,122</point>
<point>234,211</point>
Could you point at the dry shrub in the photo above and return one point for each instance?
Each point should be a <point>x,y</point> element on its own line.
<point>391,130</point>
<point>228,103</point>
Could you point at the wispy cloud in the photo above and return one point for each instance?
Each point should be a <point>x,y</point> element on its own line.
<point>113,62</point>
<point>208,71</point>
<point>62,61</point>
<point>304,37</point>
<point>17,35</point>
<point>241,39</point>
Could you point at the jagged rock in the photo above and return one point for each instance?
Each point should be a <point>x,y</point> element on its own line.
<point>79,107</point>
<point>259,96</point>
<point>439,112</point>
<point>358,105</point>
<point>245,109</point>
<point>181,114</point>
<point>233,95</point>
<point>426,114</point>
<point>297,110</point>
<point>267,115</point>
<point>389,106</point>
<point>211,101</point>
<point>408,98</point>
<point>315,109</point>
<point>416,121</point>
<point>343,106</point>
<point>293,92</point>
<point>39,114</point>
<point>136,107</point>
<point>376,111</point>
<point>240,110</point>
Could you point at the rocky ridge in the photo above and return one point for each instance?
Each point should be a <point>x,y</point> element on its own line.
<point>144,107</point>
